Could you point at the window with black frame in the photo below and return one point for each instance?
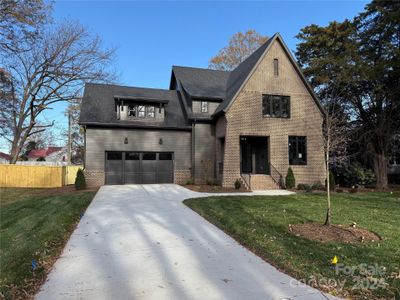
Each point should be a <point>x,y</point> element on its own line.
<point>141,111</point>
<point>275,106</point>
<point>297,150</point>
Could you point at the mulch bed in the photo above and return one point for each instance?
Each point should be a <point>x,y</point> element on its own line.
<point>204,188</point>
<point>336,233</point>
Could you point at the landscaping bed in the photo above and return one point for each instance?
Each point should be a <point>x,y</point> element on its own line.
<point>261,223</point>
<point>205,188</point>
<point>35,224</point>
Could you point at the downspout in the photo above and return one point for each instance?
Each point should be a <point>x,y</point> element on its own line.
<point>84,146</point>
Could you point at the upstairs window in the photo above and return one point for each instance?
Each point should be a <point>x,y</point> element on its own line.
<point>141,111</point>
<point>276,67</point>
<point>297,150</point>
<point>276,106</point>
<point>204,106</point>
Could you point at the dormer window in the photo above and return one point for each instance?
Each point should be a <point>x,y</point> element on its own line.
<point>141,111</point>
<point>204,106</point>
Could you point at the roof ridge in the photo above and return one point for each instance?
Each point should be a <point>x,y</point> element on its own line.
<point>197,68</point>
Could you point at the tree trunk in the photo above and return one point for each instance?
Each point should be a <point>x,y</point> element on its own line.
<point>380,170</point>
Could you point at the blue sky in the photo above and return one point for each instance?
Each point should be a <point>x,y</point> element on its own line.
<point>150,36</point>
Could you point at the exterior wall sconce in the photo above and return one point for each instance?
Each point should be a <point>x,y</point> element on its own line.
<point>161,141</point>
<point>126,140</point>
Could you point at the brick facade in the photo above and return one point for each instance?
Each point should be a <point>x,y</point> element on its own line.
<point>94,178</point>
<point>244,117</point>
<point>182,176</point>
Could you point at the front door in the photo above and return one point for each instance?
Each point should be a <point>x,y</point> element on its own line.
<point>261,157</point>
<point>254,155</point>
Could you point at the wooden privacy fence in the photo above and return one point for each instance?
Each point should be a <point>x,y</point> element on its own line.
<point>37,176</point>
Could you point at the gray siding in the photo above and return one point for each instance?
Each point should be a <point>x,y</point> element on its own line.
<point>196,107</point>
<point>204,151</point>
<point>100,140</point>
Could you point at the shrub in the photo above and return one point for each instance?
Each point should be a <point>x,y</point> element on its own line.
<point>339,191</point>
<point>190,181</point>
<point>318,186</point>
<point>290,180</point>
<point>309,188</point>
<point>41,159</point>
<point>356,174</point>
<point>238,184</point>
<point>304,187</point>
<point>80,182</point>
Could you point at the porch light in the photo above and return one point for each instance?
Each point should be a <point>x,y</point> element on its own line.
<point>126,140</point>
<point>160,141</point>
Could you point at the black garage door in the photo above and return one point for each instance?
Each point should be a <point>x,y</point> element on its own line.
<point>139,167</point>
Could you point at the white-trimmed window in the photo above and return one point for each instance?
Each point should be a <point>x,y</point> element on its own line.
<point>204,106</point>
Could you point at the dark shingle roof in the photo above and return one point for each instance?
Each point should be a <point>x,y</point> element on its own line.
<point>240,73</point>
<point>202,83</point>
<point>98,106</point>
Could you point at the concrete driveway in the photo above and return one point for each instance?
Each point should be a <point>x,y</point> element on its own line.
<point>142,242</point>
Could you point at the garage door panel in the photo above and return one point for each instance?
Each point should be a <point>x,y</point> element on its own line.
<point>114,168</point>
<point>139,167</point>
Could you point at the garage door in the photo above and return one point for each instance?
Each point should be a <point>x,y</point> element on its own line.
<point>139,167</point>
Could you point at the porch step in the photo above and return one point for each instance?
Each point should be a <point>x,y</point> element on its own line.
<point>262,182</point>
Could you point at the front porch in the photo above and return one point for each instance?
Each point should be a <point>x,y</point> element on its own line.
<point>257,173</point>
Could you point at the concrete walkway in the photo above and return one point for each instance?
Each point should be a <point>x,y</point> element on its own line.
<point>141,242</point>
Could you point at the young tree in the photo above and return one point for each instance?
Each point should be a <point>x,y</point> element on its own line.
<point>64,57</point>
<point>360,58</point>
<point>240,46</point>
<point>336,138</point>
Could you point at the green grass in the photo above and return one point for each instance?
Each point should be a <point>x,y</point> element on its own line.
<point>261,224</point>
<point>34,225</point>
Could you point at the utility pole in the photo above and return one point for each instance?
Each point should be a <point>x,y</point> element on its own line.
<point>69,137</point>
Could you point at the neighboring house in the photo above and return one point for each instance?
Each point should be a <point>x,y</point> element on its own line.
<point>51,154</point>
<point>4,158</point>
<point>249,124</point>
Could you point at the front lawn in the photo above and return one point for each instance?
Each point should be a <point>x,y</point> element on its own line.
<point>261,224</point>
<point>34,227</point>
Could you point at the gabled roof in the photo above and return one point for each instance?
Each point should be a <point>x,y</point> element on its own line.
<point>201,83</point>
<point>98,106</point>
<point>239,76</point>
<point>5,155</point>
<point>43,152</point>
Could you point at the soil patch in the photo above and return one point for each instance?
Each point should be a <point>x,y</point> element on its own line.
<point>204,188</point>
<point>336,233</point>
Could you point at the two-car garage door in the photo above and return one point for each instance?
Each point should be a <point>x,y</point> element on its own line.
<point>139,167</point>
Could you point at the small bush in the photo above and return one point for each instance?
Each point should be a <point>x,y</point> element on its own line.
<point>238,184</point>
<point>190,181</point>
<point>80,182</point>
<point>290,179</point>
<point>339,191</point>
<point>309,188</point>
<point>356,174</point>
<point>318,186</point>
<point>304,187</point>
<point>41,159</point>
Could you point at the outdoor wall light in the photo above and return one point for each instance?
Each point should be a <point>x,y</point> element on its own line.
<point>126,140</point>
<point>160,141</point>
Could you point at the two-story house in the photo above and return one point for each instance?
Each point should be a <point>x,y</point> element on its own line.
<point>249,124</point>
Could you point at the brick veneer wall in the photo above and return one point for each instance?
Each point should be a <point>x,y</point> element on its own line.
<point>94,178</point>
<point>244,117</point>
<point>182,176</point>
